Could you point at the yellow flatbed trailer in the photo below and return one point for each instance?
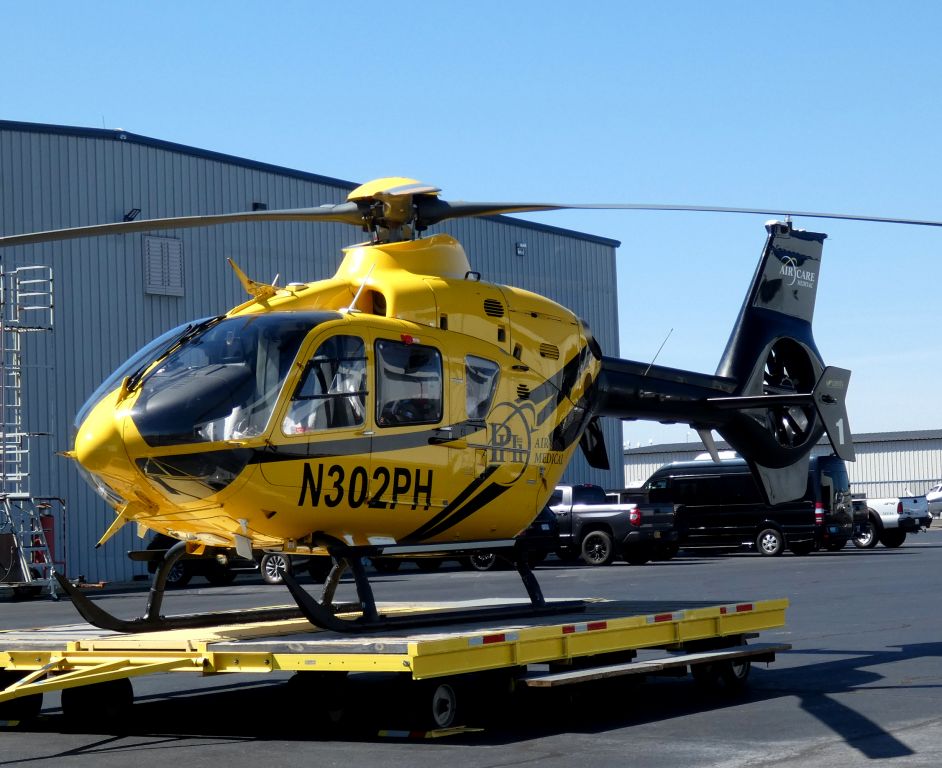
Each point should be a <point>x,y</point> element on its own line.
<point>604,640</point>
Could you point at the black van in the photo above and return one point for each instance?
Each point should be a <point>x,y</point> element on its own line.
<point>721,505</point>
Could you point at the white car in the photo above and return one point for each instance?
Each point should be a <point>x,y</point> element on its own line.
<point>934,498</point>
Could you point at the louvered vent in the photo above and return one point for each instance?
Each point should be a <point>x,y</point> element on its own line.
<point>550,351</point>
<point>523,392</point>
<point>493,308</point>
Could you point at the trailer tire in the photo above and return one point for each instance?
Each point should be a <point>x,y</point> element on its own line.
<point>435,704</point>
<point>770,542</point>
<point>892,538</point>
<point>735,674</point>
<point>597,548</point>
<point>22,709</point>
<point>109,702</point>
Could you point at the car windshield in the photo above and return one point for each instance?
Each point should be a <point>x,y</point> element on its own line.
<point>221,383</point>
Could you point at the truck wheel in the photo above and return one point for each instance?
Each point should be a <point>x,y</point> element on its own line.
<point>770,542</point>
<point>867,538</point>
<point>386,564</point>
<point>272,565</point>
<point>664,552</point>
<point>637,555</point>
<point>179,576</point>
<point>802,548</point>
<point>597,548</point>
<point>892,538</point>
<point>220,576</point>
<point>482,561</point>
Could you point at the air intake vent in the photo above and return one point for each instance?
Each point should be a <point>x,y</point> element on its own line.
<point>550,351</point>
<point>523,392</point>
<point>493,308</point>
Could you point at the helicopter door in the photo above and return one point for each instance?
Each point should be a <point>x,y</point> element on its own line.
<point>410,475</point>
<point>323,436</point>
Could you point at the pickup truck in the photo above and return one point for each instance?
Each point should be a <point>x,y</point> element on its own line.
<point>890,519</point>
<point>597,529</point>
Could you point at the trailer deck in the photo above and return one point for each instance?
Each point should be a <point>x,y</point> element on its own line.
<point>541,651</point>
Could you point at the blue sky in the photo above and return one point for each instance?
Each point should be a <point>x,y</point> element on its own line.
<point>828,106</point>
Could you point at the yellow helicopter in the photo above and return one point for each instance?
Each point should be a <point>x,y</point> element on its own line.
<point>405,406</point>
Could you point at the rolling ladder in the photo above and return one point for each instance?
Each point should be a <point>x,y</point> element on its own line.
<point>26,521</point>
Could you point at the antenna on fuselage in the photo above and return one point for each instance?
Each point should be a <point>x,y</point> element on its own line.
<point>356,298</point>
<point>658,352</point>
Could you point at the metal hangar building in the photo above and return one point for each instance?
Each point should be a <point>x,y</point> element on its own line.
<point>888,463</point>
<point>111,295</point>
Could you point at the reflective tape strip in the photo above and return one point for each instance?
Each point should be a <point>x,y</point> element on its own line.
<point>660,618</point>
<point>500,637</point>
<point>739,608</point>
<point>588,626</point>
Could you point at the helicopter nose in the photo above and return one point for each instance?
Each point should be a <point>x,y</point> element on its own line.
<point>98,444</point>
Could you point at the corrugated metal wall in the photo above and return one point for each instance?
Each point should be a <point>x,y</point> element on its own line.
<point>52,177</point>
<point>888,464</point>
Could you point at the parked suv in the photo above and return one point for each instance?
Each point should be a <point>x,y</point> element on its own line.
<point>721,505</point>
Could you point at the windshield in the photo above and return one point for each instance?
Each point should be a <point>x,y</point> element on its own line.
<point>144,356</point>
<point>223,382</point>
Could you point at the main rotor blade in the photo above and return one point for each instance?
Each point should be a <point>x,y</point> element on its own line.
<point>346,213</point>
<point>432,211</point>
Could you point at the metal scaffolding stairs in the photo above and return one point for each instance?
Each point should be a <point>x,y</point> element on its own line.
<point>26,562</point>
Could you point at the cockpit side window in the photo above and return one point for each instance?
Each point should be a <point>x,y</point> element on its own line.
<point>408,384</point>
<point>332,392</point>
<point>480,385</point>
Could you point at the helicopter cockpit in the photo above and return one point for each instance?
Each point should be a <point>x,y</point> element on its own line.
<point>222,383</point>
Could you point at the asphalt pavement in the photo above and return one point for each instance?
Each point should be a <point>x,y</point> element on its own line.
<point>862,683</point>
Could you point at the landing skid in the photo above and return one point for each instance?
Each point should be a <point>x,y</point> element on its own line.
<point>320,612</point>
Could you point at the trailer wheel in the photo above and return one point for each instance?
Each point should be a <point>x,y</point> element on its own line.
<point>597,548</point>
<point>21,709</point>
<point>108,702</point>
<point>892,538</point>
<point>435,704</point>
<point>735,674</point>
<point>770,542</point>
<point>323,697</point>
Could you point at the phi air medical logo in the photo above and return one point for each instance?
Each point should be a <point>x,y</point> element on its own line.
<point>792,274</point>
